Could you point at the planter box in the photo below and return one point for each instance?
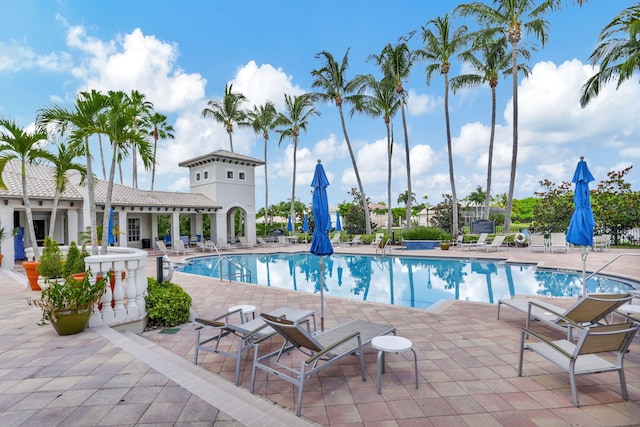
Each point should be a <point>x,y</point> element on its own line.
<point>421,244</point>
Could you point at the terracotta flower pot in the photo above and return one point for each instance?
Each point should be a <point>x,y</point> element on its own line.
<point>31,268</point>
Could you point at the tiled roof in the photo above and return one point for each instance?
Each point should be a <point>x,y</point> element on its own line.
<point>127,196</point>
<point>222,156</point>
<point>40,183</point>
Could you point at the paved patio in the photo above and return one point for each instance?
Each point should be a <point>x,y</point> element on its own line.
<point>467,366</point>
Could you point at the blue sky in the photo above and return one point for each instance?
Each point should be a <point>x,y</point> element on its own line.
<point>182,54</point>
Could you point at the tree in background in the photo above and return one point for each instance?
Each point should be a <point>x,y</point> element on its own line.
<point>443,215</point>
<point>616,207</point>
<point>554,211</point>
<point>227,111</point>
<point>156,126</point>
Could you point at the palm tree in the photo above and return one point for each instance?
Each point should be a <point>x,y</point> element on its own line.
<point>227,111</point>
<point>263,119</point>
<point>138,108</point>
<point>439,47</point>
<point>64,162</point>
<point>299,110</point>
<point>156,126</point>
<point>85,120</point>
<point>16,143</point>
<point>489,60</point>
<point>383,101</point>
<point>506,18</point>
<point>396,63</point>
<point>618,53</point>
<point>123,137</point>
<point>331,79</point>
<point>476,198</point>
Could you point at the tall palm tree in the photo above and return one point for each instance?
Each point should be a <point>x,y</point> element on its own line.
<point>440,45</point>
<point>506,18</point>
<point>228,111</point>
<point>264,119</point>
<point>16,143</point>
<point>124,137</point>
<point>381,100</point>
<point>156,126</point>
<point>139,108</point>
<point>63,162</point>
<point>332,80</point>
<point>299,110</point>
<point>84,121</point>
<point>618,53</point>
<point>489,59</point>
<point>395,63</point>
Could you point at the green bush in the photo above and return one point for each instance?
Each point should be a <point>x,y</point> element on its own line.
<point>74,263</point>
<point>167,304</point>
<point>426,233</point>
<point>51,260</point>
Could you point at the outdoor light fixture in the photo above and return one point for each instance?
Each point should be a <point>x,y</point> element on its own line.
<point>40,203</point>
<point>71,204</point>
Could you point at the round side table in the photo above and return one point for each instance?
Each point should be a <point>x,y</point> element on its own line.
<point>246,310</point>
<point>395,344</point>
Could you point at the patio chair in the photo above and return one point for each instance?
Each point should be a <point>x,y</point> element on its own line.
<point>378,238</point>
<point>602,242</point>
<point>558,242</point>
<point>536,241</point>
<point>162,247</point>
<point>263,242</point>
<point>481,241</point>
<point>246,332</point>
<point>180,247</point>
<point>582,357</point>
<point>323,350</point>
<point>244,242</point>
<point>335,240</point>
<point>585,311</point>
<point>282,240</point>
<point>223,245</point>
<point>496,243</point>
<point>357,240</point>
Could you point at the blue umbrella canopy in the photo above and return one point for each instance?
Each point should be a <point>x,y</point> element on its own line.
<point>338,223</point>
<point>112,238</point>
<point>305,223</point>
<point>289,225</point>
<point>580,230</point>
<point>320,243</point>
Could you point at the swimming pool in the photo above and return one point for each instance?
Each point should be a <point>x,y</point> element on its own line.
<point>406,281</point>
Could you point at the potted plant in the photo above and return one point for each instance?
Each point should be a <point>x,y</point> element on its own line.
<point>68,303</point>
<point>51,265</point>
<point>74,262</point>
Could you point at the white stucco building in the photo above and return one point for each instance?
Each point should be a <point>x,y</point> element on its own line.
<point>222,185</point>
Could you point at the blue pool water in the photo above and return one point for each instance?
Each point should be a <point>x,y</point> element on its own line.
<point>405,281</point>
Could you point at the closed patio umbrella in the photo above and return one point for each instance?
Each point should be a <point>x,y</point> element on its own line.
<point>289,224</point>
<point>305,226</point>
<point>580,230</point>
<point>320,243</point>
<point>338,223</point>
<point>111,237</point>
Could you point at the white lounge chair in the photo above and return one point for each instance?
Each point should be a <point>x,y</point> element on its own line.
<point>496,243</point>
<point>263,242</point>
<point>559,242</point>
<point>335,240</point>
<point>244,242</point>
<point>180,247</point>
<point>357,240</point>
<point>536,241</point>
<point>283,241</point>
<point>223,245</point>
<point>378,239</point>
<point>602,242</point>
<point>481,241</point>
<point>162,247</point>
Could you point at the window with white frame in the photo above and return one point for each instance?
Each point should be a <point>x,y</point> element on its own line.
<point>242,176</point>
<point>133,229</point>
<point>205,175</point>
<point>229,174</point>
<point>197,176</point>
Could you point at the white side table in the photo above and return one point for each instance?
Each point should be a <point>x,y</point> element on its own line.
<point>396,344</point>
<point>246,310</point>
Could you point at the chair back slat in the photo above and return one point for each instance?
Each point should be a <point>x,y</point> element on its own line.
<point>293,332</point>
<point>605,338</point>
<point>595,307</point>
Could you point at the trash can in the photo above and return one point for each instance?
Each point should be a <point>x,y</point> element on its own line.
<point>146,243</point>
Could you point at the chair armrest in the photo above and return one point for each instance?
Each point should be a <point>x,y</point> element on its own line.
<point>213,323</point>
<point>555,313</point>
<point>332,346</point>
<point>546,340</point>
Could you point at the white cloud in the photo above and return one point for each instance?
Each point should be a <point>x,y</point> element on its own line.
<point>421,103</point>
<point>15,57</point>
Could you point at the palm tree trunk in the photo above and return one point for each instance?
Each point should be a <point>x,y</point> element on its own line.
<point>490,162</point>
<point>266,187</point>
<point>514,152</point>
<point>389,153</point>
<point>107,206</point>
<point>455,222</point>
<point>153,167</point>
<point>134,174</point>
<point>104,169</point>
<point>365,205</point>
<point>52,220</point>
<point>407,153</point>
<point>92,201</point>
<point>293,186</point>
<point>230,141</point>
<point>27,208</point>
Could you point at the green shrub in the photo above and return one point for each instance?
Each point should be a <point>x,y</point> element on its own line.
<point>74,263</point>
<point>51,259</point>
<point>167,304</point>
<point>426,233</point>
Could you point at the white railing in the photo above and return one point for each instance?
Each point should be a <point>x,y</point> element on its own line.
<point>125,302</point>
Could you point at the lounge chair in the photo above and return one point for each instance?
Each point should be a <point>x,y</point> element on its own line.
<point>536,241</point>
<point>585,311</point>
<point>496,243</point>
<point>223,245</point>
<point>458,241</point>
<point>263,242</point>
<point>323,349</point>
<point>162,247</point>
<point>246,332</point>
<point>244,242</point>
<point>180,247</point>
<point>378,239</point>
<point>602,242</point>
<point>357,240</point>
<point>335,240</point>
<point>481,241</point>
<point>558,242</point>
<point>283,241</point>
<point>582,358</point>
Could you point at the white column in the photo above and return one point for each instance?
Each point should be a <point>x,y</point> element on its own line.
<point>7,248</point>
<point>72,224</point>
<point>175,226</point>
<point>123,240</point>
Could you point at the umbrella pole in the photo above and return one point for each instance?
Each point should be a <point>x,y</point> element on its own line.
<point>583,254</point>
<point>321,265</point>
